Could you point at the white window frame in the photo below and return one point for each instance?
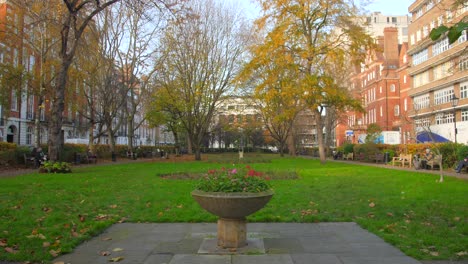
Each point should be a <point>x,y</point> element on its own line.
<point>443,96</point>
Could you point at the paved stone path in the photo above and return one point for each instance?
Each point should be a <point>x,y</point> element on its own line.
<point>283,243</point>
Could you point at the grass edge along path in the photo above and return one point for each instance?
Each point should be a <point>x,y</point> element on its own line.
<point>43,215</point>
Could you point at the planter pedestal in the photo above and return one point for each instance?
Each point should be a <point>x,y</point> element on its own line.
<point>232,209</point>
<point>232,233</point>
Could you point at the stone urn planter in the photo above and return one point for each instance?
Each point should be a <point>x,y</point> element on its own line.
<point>232,209</point>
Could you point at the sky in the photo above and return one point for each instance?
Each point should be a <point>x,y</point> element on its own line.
<point>390,7</point>
<point>386,7</point>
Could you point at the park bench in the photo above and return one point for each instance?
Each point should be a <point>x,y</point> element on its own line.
<point>29,161</point>
<point>360,157</point>
<point>349,156</point>
<point>436,161</point>
<point>85,158</point>
<point>402,160</point>
<point>378,157</point>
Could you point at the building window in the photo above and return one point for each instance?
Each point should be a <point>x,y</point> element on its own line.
<point>404,78</point>
<point>419,13</point>
<point>29,135</point>
<point>42,113</point>
<point>421,102</point>
<point>392,88</point>
<point>443,70</point>
<point>463,63</point>
<point>463,37</point>
<point>464,90</point>
<point>442,118</point>
<point>30,106</point>
<point>405,103</point>
<point>381,111</point>
<point>443,96</point>
<point>421,79</point>
<point>429,5</point>
<point>396,110</point>
<point>420,57</point>
<point>440,46</point>
<point>425,31</point>
<point>14,101</point>
<point>464,115</point>
<point>422,122</point>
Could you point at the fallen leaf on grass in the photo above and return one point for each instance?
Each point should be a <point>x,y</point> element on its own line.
<point>45,244</point>
<point>372,205</point>
<point>11,250</point>
<point>3,242</point>
<point>113,206</point>
<point>40,236</point>
<point>82,218</point>
<point>54,253</point>
<point>456,219</point>
<point>117,259</point>
<point>462,253</point>
<point>101,217</point>
<point>389,214</point>
<point>434,253</point>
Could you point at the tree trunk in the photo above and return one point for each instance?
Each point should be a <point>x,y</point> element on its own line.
<point>197,153</point>
<point>320,141</point>
<point>110,134</point>
<point>291,145</point>
<point>58,105</point>
<point>189,146</point>
<point>130,134</point>
<point>37,124</point>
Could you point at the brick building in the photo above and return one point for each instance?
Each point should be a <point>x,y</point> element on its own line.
<point>378,84</point>
<point>438,71</point>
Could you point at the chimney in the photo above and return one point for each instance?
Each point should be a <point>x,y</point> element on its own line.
<point>391,46</point>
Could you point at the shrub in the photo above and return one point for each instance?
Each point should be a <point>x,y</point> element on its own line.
<point>348,148</point>
<point>55,167</point>
<point>462,152</point>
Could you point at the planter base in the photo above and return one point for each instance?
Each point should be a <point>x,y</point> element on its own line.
<point>232,233</point>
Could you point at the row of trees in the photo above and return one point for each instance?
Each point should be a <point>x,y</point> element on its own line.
<point>190,60</point>
<point>93,57</point>
<point>175,60</point>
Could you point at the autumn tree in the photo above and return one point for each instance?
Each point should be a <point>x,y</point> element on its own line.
<point>198,63</point>
<point>317,31</point>
<point>276,92</point>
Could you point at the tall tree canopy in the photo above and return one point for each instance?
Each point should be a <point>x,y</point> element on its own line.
<point>311,35</point>
<point>200,58</point>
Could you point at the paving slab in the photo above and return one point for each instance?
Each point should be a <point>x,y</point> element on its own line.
<point>282,243</point>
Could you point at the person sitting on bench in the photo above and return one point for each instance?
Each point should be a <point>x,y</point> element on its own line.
<point>463,163</point>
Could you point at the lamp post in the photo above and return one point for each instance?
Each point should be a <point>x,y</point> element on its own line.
<point>454,105</point>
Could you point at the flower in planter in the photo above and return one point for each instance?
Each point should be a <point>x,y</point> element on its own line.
<point>234,180</point>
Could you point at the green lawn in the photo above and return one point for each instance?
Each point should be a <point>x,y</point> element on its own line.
<point>42,214</point>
